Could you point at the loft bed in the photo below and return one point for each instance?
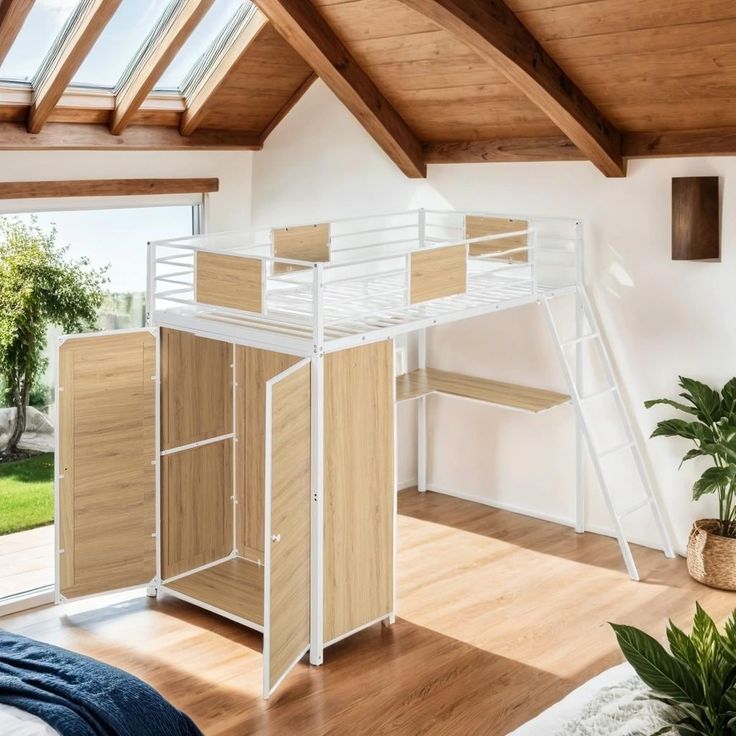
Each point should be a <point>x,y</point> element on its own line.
<point>362,279</point>
<point>260,480</point>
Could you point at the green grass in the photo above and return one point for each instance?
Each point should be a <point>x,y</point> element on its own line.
<point>26,493</point>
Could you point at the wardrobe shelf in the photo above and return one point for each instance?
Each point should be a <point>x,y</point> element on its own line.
<point>422,382</point>
<point>235,586</point>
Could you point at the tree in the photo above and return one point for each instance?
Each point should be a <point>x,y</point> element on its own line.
<point>39,286</point>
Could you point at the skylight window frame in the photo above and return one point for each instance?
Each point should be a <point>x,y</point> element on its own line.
<point>208,61</point>
<point>148,46</point>
<point>53,56</point>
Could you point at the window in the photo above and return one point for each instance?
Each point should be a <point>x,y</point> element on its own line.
<point>215,22</point>
<point>119,43</point>
<point>43,24</point>
<point>112,237</point>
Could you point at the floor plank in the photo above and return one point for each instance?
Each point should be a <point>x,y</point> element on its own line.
<point>499,616</point>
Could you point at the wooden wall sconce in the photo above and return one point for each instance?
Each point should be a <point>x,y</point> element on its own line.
<point>696,220</point>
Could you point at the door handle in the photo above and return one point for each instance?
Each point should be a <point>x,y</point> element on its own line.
<point>276,538</point>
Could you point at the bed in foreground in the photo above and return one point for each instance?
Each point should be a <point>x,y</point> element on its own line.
<point>48,690</point>
<point>614,703</point>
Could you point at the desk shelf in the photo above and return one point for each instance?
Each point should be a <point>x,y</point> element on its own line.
<point>420,383</point>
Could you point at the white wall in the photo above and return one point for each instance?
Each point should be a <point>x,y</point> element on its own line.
<point>661,318</point>
<point>228,209</point>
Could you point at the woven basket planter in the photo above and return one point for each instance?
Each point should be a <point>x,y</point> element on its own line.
<point>711,558</point>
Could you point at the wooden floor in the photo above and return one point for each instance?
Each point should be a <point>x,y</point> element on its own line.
<point>499,617</point>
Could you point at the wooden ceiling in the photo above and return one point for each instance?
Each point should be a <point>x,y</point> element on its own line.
<point>431,80</point>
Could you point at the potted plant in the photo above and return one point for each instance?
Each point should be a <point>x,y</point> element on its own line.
<point>711,426</point>
<point>696,678</point>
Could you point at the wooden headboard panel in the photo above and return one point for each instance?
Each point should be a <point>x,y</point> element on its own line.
<point>308,242</point>
<point>477,226</point>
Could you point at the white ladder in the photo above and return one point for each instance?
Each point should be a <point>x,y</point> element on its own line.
<point>574,376</point>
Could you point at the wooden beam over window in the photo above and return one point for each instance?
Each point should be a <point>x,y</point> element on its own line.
<point>83,137</point>
<point>12,16</point>
<point>75,48</point>
<point>492,29</point>
<point>300,23</point>
<point>197,106</point>
<point>150,68</point>
<point>105,187</point>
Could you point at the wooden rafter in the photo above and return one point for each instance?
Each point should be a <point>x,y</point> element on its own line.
<point>197,106</point>
<point>12,16</point>
<point>86,137</point>
<point>152,66</point>
<point>299,22</point>
<point>71,55</point>
<point>492,29</point>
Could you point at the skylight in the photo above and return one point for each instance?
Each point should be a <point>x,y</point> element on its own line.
<point>119,43</point>
<point>204,36</point>
<point>42,26</point>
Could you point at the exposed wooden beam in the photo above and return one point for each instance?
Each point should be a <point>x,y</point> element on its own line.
<point>300,23</point>
<point>12,16</point>
<point>557,148</point>
<point>151,67</point>
<point>284,111</point>
<point>105,187</point>
<point>82,137</point>
<point>76,47</point>
<point>197,106</point>
<point>708,142</point>
<point>492,29</point>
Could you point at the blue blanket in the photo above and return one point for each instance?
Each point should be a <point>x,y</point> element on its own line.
<point>79,696</point>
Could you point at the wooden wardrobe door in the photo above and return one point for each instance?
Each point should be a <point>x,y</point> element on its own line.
<point>107,448</point>
<point>287,523</point>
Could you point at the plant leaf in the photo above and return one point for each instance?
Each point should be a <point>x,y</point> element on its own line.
<point>712,480</point>
<point>655,666</point>
<point>692,454</point>
<point>670,402</point>
<point>677,428</point>
<point>706,401</point>
<point>681,646</point>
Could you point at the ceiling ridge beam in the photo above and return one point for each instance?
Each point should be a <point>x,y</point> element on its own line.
<point>13,14</point>
<point>492,29</point>
<point>302,26</point>
<point>500,150</point>
<point>152,65</point>
<point>69,58</point>
<point>197,106</point>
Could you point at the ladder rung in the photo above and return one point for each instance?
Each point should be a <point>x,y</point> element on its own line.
<point>596,394</point>
<point>589,336</point>
<point>634,507</point>
<point>617,448</point>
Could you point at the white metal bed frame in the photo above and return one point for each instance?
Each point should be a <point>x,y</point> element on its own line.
<point>361,295</point>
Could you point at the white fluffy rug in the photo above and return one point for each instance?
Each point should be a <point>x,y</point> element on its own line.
<point>620,709</point>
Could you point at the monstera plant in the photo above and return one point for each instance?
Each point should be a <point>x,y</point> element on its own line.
<point>711,426</point>
<point>696,678</point>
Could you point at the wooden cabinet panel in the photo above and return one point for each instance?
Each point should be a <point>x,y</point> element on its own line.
<point>196,507</point>
<point>196,388</point>
<point>107,450</point>
<point>359,487</point>
<point>253,368</point>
